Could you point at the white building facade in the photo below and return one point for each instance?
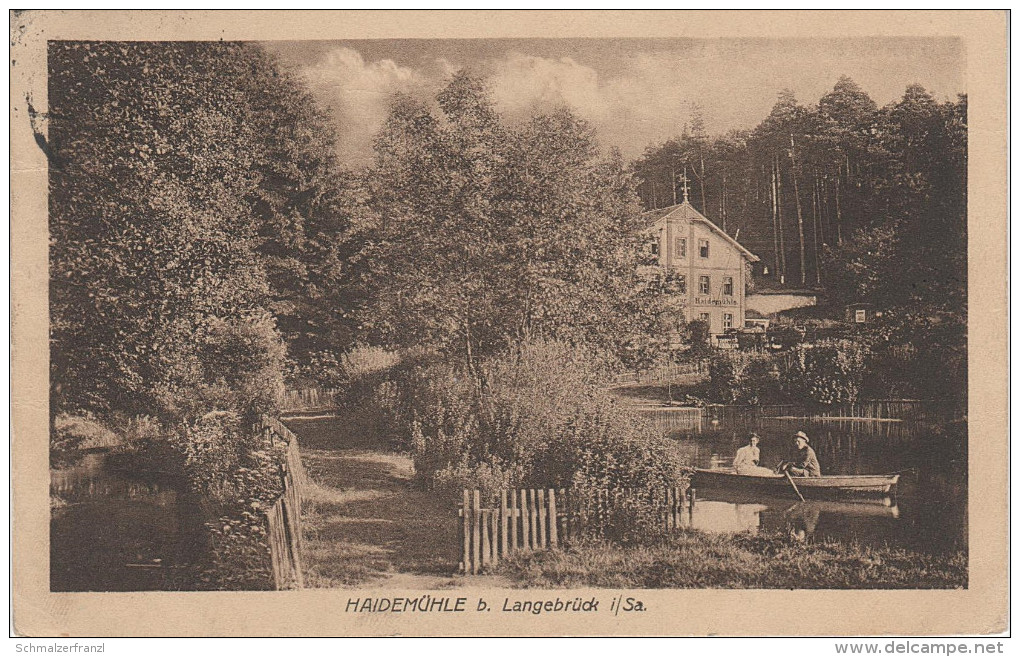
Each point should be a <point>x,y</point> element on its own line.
<point>711,265</point>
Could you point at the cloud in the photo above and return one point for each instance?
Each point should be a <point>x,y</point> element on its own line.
<point>523,83</point>
<point>648,100</point>
<point>634,96</point>
<point>359,94</point>
<point>645,102</point>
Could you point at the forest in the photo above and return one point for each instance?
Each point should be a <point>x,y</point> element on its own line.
<point>208,250</point>
<point>866,202</point>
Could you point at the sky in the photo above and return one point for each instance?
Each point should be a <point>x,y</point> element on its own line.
<point>636,92</point>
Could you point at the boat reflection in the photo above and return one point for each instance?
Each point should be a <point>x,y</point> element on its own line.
<point>729,512</point>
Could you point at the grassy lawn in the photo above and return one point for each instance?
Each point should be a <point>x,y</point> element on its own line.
<point>696,560</point>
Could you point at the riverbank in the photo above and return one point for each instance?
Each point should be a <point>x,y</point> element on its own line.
<point>692,559</point>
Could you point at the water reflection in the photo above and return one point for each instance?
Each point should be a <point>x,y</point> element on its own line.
<point>110,531</point>
<point>929,512</point>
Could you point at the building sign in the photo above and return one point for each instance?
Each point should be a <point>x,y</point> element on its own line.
<point>709,301</point>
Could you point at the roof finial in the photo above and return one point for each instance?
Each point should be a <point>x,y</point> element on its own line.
<point>683,180</point>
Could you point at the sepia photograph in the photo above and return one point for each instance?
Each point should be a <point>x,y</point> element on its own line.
<point>583,316</point>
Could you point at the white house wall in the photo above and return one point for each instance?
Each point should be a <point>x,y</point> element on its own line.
<point>724,260</point>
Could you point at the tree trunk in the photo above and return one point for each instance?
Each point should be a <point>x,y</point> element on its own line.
<point>779,220</point>
<point>814,225</point>
<point>823,197</point>
<point>470,357</point>
<point>800,215</point>
<point>839,215</point>
<point>704,206</point>
<point>722,202</point>
<point>775,223</point>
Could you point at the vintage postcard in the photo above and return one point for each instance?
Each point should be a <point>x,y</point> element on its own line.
<point>509,323</point>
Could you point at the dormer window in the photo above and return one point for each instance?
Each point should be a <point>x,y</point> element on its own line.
<point>703,248</point>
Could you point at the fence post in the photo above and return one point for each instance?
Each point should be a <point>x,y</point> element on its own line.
<point>541,518</point>
<point>274,553</point>
<point>494,523</point>
<point>553,520</point>
<point>465,525</point>
<point>525,520</point>
<point>561,499</point>
<point>513,521</point>
<point>475,532</point>
<point>502,522</point>
<point>486,545</point>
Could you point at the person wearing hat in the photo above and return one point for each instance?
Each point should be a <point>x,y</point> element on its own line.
<point>746,460</point>
<point>805,464</point>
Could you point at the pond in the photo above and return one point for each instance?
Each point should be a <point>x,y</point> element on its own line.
<point>114,531</point>
<point>928,513</point>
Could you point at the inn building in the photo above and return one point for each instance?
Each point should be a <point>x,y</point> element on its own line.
<point>711,265</point>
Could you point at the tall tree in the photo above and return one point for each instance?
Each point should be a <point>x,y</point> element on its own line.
<point>175,211</point>
<point>494,234</point>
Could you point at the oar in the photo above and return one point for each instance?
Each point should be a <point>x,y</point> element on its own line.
<point>795,489</point>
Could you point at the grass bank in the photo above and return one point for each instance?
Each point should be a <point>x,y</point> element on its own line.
<point>692,559</point>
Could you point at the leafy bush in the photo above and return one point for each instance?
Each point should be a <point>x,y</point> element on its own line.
<point>917,354</point>
<point>741,377</point>
<point>536,418</point>
<point>234,467</point>
<point>829,373</point>
<point>239,557</point>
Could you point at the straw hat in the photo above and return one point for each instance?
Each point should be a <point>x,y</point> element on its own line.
<point>801,434</point>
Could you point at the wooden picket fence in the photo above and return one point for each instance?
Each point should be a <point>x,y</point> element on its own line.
<point>305,400</point>
<point>673,418</point>
<point>536,519</point>
<point>662,374</point>
<point>905,410</point>
<point>284,517</point>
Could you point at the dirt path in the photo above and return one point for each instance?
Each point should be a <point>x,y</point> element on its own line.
<point>364,522</point>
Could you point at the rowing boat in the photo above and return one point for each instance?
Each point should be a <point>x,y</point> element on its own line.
<point>824,486</point>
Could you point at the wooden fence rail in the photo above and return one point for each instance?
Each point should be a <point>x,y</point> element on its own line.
<point>284,517</point>
<point>515,520</point>
<point>906,410</point>
<point>309,399</point>
<point>673,418</point>
<point>664,373</point>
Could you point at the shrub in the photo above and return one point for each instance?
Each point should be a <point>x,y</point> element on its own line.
<point>917,354</point>
<point>239,557</point>
<point>830,372</point>
<point>539,418</point>
<point>740,377</point>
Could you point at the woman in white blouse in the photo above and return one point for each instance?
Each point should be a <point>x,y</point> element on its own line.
<point>747,458</point>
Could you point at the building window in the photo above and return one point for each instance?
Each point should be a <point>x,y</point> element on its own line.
<point>703,248</point>
<point>704,285</point>
<point>655,247</point>
<point>727,320</point>
<point>860,316</point>
<point>704,318</point>
<point>681,247</point>
<point>681,284</point>
<point>727,286</point>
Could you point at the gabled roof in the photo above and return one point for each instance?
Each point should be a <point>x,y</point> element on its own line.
<point>686,211</point>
